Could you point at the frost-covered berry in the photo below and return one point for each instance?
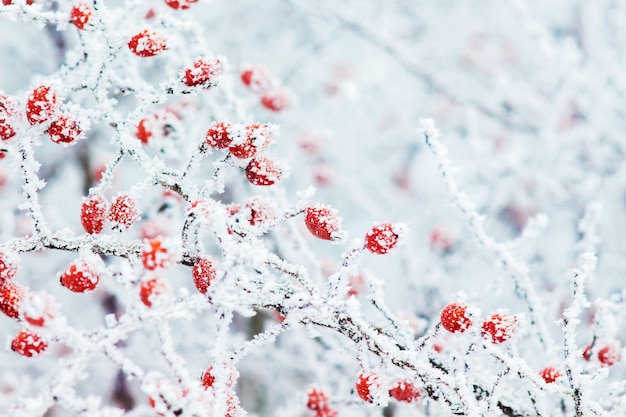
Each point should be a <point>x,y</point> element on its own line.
<point>203,72</point>
<point>208,379</point>
<point>155,255</point>
<point>549,374</point>
<point>9,264</point>
<point>147,43</point>
<point>499,327</point>
<point>367,383</point>
<point>11,296</point>
<point>93,214</point>
<point>8,110</point>
<point>152,288</point>
<point>381,238</point>
<point>79,277</point>
<point>218,135</point>
<point>80,15</point>
<point>64,130</point>
<point>124,211</point>
<point>261,210</point>
<point>323,222</point>
<point>256,79</point>
<point>41,104</point>
<point>404,390</point>
<point>263,171</point>
<point>6,130</point>
<point>28,344</point>
<point>609,355</point>
<point>203,273</point>
<point>37,309</point>
<point>454,318</point>
<point>276,100</point>
<point>316,399</point>
<point>256,137</point>
<point>145,129</point>
<point>180,4</point>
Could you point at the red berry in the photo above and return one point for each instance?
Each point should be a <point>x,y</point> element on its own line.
<point>144,129</point>
<point>28,344</point>
<point>317,399</point>
<point>257,136</point>
<point>80,15</point>
<point>327,412</point>
<point>124,211</point>
<point>41,105</point>
<point>203,273</point>
<point>79,277</point>
<point>9,263</point>
<point>381,238</point>
<point>609,355</point>
<point>322,222</point>
<point>276,100</point>
<point>150,289</point>
<point>8,106</point>
<point>404,390</point>
<point>256,78</point>
<point>156,255</point>
<point>37,309</point>
<point>263,171</point>
<point>147,43</point>
<point>93,214</point>
<point>202,73</point>
<point>454,318</point>
<point>11,296</point>
<point>64,130</point>
<point>261,210</point>
<point>6,130</point>
<point>208,379</point>
<point>587,353</point>
<point>499,327</point>
<point>219,136</point>
<point>367,384</point>
<point>549,374</point>
<point>180,4</point>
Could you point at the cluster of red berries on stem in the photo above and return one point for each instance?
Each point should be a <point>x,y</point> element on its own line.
<point>94,213</point>
<point>318,401</point>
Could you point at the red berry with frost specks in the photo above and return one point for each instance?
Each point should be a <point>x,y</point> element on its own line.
<point>256,79</point>
<point>208,379</point>
<point>499,327</point>
<point>9,264</point>
<point>203,72</point>
<point>156,255</point>
<point>28,344</point>
<point>93,214</point>
<point>327,412</point>
<point>276,101</point>
<point>405,391</point>
<point>203,273</point>
<point>79,277</point>
<point>549,374</point>
<point>37,309</point>
<point>41,105</point>
<point>124,211</point>
<point>257,136</point>
<point>152,288</point>
<point>147,43</point>
<point>8,106</point>
<point>80,15</point>
<point>609,355</point>
<point>382,238</point>
<point>454,318</point>
<point>367,384</point>
<point>263,171</point>
<point>316,399</point>
<point>6,130</point>
<point>64,130</point>
<point>219,136</point>
<point>11,296</point>
<point>323,222</point>
<point>180,4</point>
<point>261,210</point>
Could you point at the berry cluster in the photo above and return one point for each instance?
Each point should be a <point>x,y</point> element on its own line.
<point>259,81</point>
